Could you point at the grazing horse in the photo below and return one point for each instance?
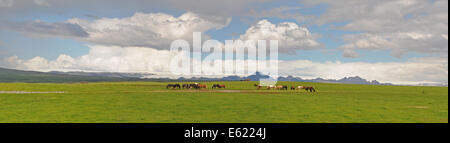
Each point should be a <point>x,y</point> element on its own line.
<point>307,88</point>
<point>271,87</point>
<point>186,86</point>
<point>191,86</point>
<point>282,87</point>
<point>293,88</point>
<point>268,87</point>
<point>310,89</point>
<point>173,86</point>
<point>300,87</point>
<point>202,86</point>
<point>218,86</point>
<point>258,86</point>
<point>278,87</point>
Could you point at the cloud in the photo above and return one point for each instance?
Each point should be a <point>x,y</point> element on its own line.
<point>6,3</point>
<point>42,2</point>
<point>45,29</point>
<point>398,43</point>
<point>100,58</point>
<point>445,36</point>
<point>221,8</point>
<point>425,70</point>
<point>158,30</point>
<point>139,59</point>
<point>290,36</point>
<point>401,26</point>
<point>349,51</point>
<point>284,12</point>
<point>155,30</point>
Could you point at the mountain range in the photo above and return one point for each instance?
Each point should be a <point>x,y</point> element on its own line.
<point>257,76</point>
<point>11,75</point>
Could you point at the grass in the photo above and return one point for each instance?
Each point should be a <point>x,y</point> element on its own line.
<point>124,102</point>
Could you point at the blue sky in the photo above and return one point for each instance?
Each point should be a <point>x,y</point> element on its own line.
<point>348,31</point>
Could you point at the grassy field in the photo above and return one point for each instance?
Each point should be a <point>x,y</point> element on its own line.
<point>240,102</point>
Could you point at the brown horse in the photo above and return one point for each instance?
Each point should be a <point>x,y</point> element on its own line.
<point>293,88</point>
<point>307,88</point>
<point>258,86</point>
<point>310,89</point>
<point>218,86</point>
<point>202,86</point>
<point>281,87</point>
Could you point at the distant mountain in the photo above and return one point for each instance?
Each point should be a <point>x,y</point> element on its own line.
<point>10,75</point>
<point>104,74</point>
<point>258,75</point>
<point>433,84</point>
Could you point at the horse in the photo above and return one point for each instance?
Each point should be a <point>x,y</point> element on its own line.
<point>193,86</point>
<point>310,89</point>
<point>202,86</point>
<point>268,87</point>
<point>307,88</point>
<point>258,86</point>
<point>281,87</point>
<point>271,87</point>
<point>218,86</point>
<point>173,86</point>
<point>293,88</point>
<point>186,86</point>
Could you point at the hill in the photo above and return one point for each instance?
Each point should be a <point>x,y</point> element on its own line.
<point>10,75</point>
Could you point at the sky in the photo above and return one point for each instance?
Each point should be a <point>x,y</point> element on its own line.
<point>395,41</point>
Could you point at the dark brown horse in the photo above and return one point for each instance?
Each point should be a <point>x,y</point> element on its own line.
<point>257,86</point>
<point>218,86</point>
<point>310,89</point>
<point>173,86</point>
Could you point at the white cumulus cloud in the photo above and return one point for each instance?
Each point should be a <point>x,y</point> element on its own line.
<point>100,58</point>
<point>156,30</point>
<point>400,26</point>
<point>290,36</point>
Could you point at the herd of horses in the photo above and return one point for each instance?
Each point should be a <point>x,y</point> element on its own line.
<point>285,87</point>
<point>270,87</point>
<point>193,86</point>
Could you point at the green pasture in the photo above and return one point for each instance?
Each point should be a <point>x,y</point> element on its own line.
<point>131,102</point>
